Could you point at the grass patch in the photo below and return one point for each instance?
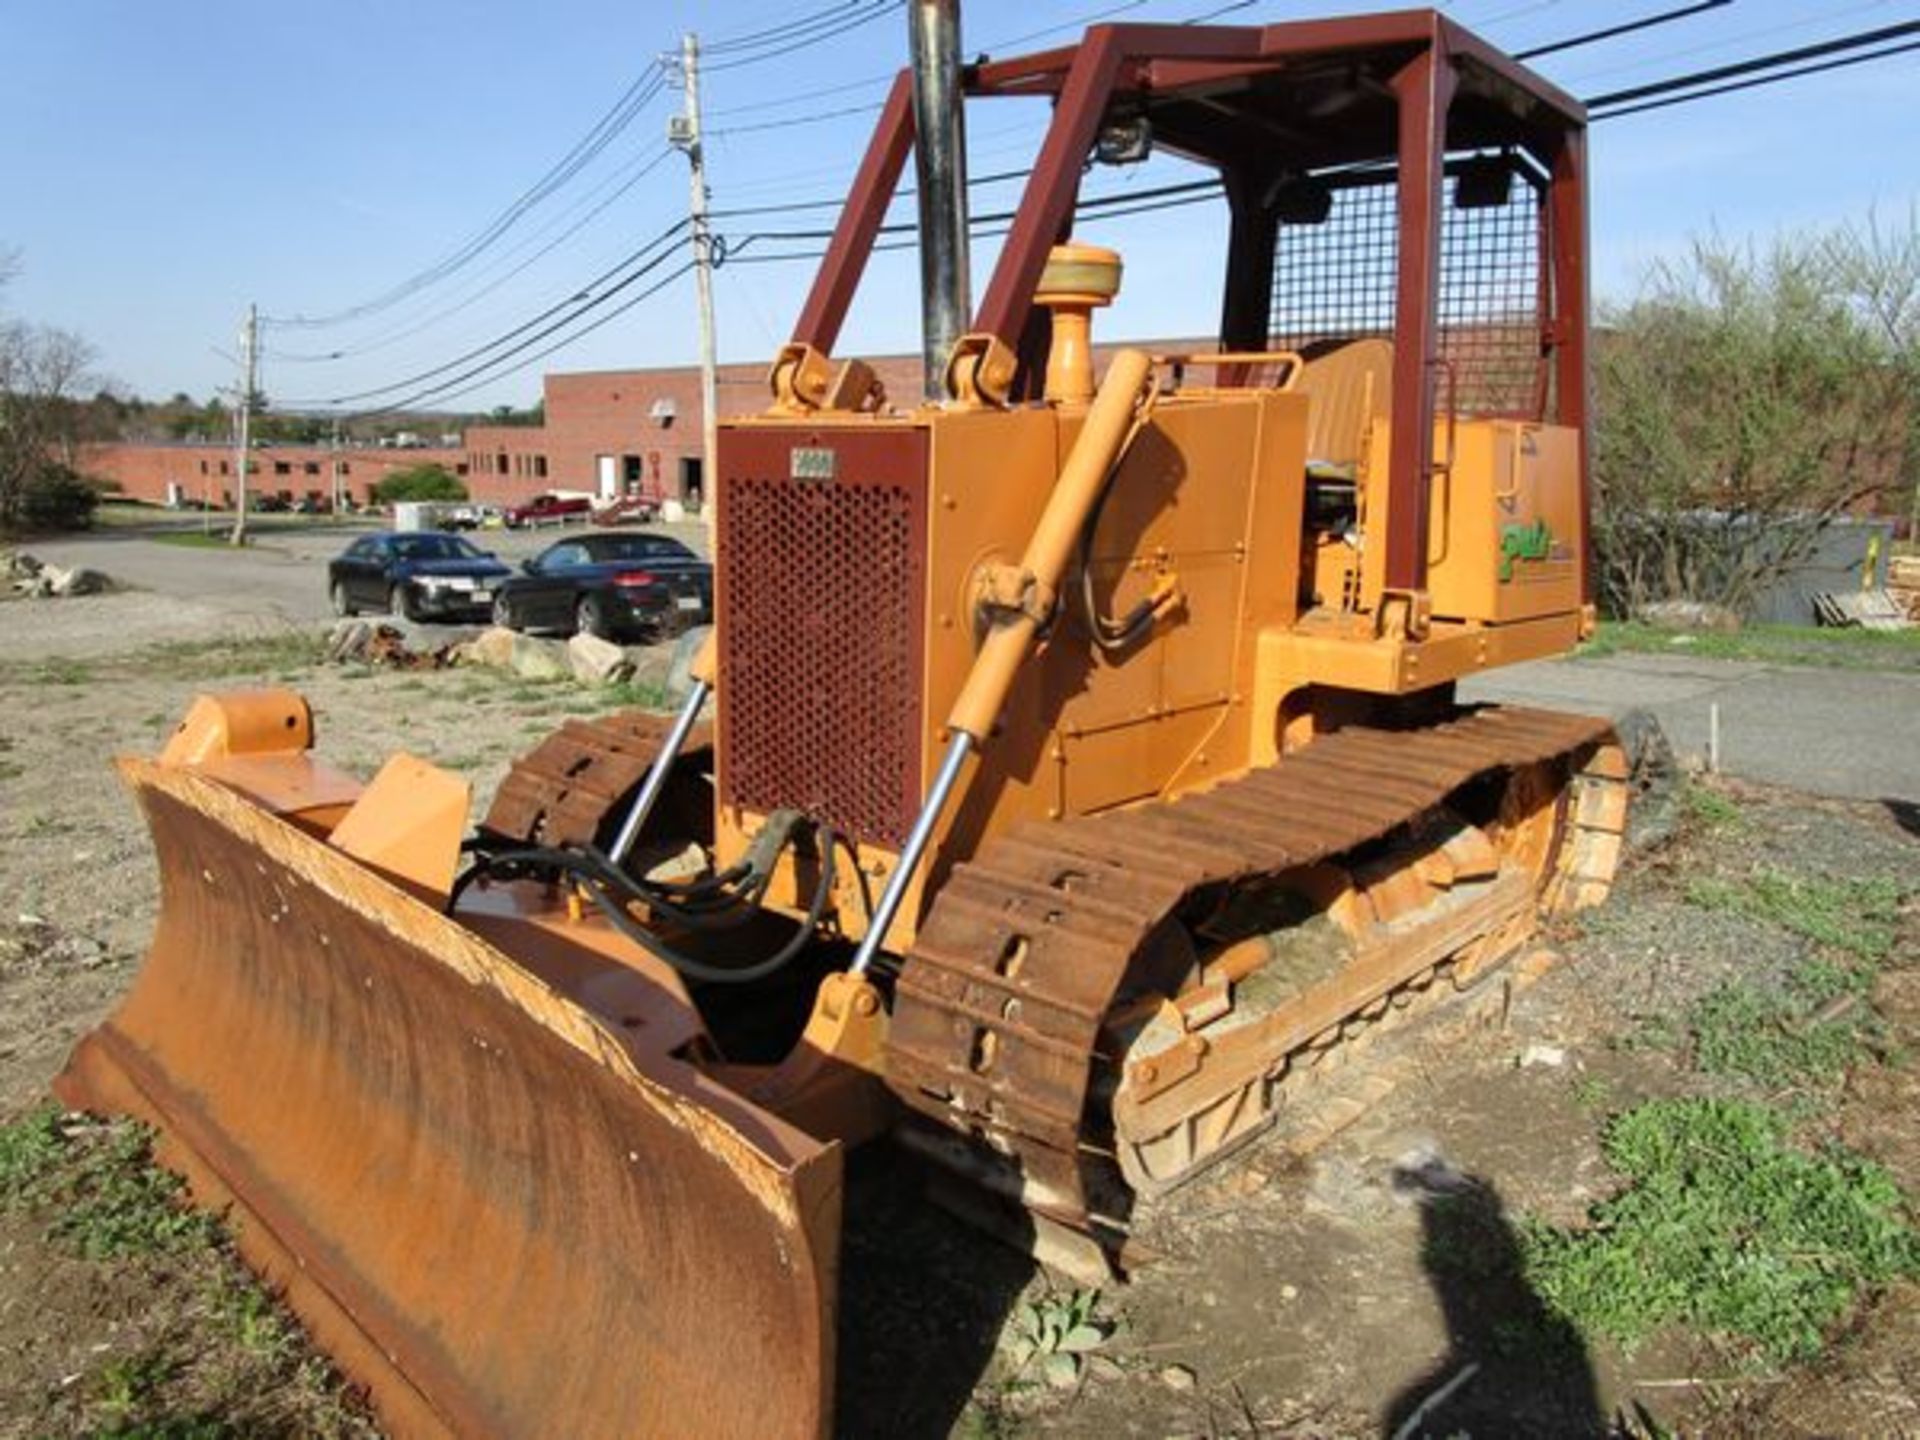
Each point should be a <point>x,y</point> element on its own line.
<point>57,671</point>
<point>1857,916</point>
<point>1769,644</point>
<point>193,539</point>
<point>217,1356</point>
<point>1774,1039</point>
<point>1709,808</point>
<point>1724,1226</point>
<point>218,659</point>
<point>97,1181</point>
<point>188,660</point>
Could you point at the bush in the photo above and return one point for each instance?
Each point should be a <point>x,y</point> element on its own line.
<point>419,482</point>
<point>56,498</point>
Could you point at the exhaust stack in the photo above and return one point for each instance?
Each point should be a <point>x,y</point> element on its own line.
<point>940,165</point>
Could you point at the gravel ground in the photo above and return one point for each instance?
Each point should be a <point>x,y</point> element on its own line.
<point>1288,1296</point>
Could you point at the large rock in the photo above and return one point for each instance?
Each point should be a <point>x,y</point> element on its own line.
<point>1688,616</point>
<point>492,648</point>
<point>596,661</point>
<point>650,664</point>
<point>535,659</point>
<point>80,581</point>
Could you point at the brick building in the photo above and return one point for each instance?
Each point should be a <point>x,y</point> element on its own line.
<point>186,474</point>
<point>607,433</point>
<point>620,432</point>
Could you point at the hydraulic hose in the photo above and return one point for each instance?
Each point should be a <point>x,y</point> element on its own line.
<point>599,878</point>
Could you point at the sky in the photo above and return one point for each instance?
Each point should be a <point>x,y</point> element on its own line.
<point>166,165</point>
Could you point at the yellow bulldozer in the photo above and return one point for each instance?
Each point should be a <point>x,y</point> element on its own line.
<point>1074,766</point>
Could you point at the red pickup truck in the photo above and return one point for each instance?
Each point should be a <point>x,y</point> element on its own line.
<point>547,510</point>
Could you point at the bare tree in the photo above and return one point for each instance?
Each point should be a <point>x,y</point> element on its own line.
<point>43,373</point>
<point>1744,402</point>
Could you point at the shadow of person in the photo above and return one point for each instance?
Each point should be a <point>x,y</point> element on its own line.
<point>1513,1367</point>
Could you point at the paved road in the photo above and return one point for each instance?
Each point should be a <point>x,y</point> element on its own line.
<point>1848,733</point>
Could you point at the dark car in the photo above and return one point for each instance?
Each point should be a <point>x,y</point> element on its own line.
<point>618,585</point>
<point>420,574</point>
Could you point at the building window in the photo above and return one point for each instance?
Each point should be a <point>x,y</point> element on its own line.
<point>503,464</point>
<point>223,468</point>
<point>540,467</point>
<point>281,467</point>
<point>460,469</point>
<point>203,467</point>
<point>345,469</point>
<point>312,467</point>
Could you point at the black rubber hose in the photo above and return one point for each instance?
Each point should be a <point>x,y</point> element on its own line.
<point>726,910</point>
<point>617,915</point>
<point>600,876</point>
<point>1107,634</point>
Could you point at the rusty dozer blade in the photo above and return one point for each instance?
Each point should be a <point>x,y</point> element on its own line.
<point>488,1208</point>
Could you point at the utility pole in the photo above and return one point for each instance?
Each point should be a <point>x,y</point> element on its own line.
<point>249,378</point>
<point>333,466</point>
<point>683,132</point>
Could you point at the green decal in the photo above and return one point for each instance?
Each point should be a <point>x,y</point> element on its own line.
<point>1523,542</point>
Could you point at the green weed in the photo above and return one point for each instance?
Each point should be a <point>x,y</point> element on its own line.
<point>1770,1038</point>
<point>128,1383</point>
<point>97,1182</point>
<point>1057,1333</point>
<point>247,1313</point>
<point>1857,916</point>
<point>172,1427</point>
<point>1711,809</point>
<point>1723,1226</point>
<point>1593,1093</point>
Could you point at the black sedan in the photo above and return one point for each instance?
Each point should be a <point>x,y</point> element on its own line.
<point>418,574</point>
<point>620,585</point>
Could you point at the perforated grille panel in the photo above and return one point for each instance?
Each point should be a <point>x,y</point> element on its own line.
<point>821,595</point>
<point>1337,279</point>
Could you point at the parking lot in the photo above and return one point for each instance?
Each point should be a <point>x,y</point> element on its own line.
<point>172,586</point>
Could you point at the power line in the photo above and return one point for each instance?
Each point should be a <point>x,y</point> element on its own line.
<point>584,299</point>
<point>632,101</point>
<point>1756,82</point>
<point>395,336</point>
<point>443,392</point>
<point>814,37</point>
<point>773,34</point>
<point>1627,28</point>
<point>788,124</point>
<point>1763,62</point>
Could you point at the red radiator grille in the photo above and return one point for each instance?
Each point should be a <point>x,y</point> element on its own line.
<point>821,608</point>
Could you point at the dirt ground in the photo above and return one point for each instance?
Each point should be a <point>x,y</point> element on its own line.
<point>1286,1294</point>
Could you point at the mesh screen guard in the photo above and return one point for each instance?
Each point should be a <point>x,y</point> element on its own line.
<point>1338,280</point>
<point>822,626</point>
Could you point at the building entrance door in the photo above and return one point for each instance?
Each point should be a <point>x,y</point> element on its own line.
<point>608,475</point>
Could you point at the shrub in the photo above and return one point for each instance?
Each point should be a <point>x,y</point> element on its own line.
<point>419,482</point>
<point>56,498</point>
